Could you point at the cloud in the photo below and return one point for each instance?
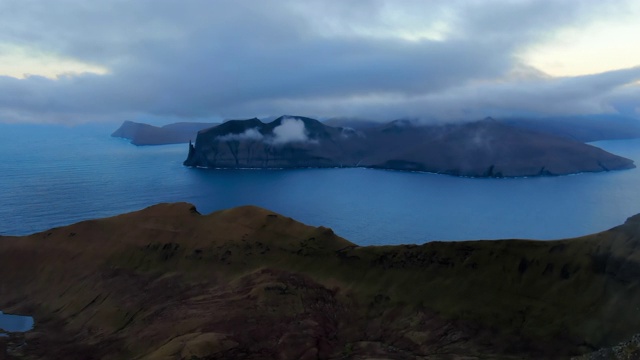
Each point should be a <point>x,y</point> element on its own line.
<point>290,130</point>
<point>348,132</point>
<point>202,59</point>
<point>249,134</point>
<point>610,92</point>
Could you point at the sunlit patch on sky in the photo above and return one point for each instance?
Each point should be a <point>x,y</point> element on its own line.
<point>436,32</point>
<point>602,46</point>
<point>20,62</point>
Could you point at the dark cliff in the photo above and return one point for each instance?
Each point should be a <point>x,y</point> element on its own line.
<point>287,142</point>
<point>484,148</point>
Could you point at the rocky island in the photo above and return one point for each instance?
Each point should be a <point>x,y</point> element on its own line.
<point>169,283</point>
<point>145,134</point>
<point>486,148</point>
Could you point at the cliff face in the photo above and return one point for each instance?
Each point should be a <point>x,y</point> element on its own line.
<point>287,142</point>
<point>167,282</point>
<point>145,134</point>
<point>481,149</point>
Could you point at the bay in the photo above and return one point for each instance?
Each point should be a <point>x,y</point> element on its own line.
<point>55,175</point>
<point>15,323</point>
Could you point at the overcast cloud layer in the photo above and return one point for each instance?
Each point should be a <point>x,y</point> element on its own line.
<point>202,60</point>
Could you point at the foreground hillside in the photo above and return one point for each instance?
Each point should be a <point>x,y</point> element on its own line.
<point>486,148</point>
<point>169,283</point>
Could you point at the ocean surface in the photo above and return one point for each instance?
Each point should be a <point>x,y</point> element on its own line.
<point>55,175</point>
<point>15,323</point>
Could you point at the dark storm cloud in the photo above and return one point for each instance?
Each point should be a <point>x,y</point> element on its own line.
<point>245,58</point>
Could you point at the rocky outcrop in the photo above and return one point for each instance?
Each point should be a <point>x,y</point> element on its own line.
<point>627,350</point>
<point>145,134</point>
<point>486,148</point>
<point>168,282</point>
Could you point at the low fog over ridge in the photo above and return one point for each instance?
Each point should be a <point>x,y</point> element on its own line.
<point>380,60</point>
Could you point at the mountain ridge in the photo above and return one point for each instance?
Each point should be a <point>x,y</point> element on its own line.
<point>143,285</point>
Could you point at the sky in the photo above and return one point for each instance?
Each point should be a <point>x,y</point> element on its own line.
<point>77,61</point>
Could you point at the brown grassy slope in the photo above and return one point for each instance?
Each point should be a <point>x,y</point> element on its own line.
<point>169,283</point>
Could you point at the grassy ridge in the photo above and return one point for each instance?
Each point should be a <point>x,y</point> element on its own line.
<point>168,283</point>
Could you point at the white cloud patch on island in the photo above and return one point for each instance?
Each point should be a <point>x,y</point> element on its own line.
<point>249,134</point>
<point>290,130</point>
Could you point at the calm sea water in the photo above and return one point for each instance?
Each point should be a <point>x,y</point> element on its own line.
<point>52,176</point>
<point>15,323</point>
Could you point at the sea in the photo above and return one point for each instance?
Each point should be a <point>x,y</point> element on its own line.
<point>14,323</point>
<point>52,175</point>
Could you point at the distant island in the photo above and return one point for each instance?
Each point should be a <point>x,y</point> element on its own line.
<point>169,283</point>
<point>145,134</point>
<point>583,128</point>
<point>485,148</point>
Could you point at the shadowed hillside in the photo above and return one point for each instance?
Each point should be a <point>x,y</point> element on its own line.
<point>583,128</point>
<point>169,283</point>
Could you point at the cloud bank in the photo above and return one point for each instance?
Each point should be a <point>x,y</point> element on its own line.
<point>204,60</point>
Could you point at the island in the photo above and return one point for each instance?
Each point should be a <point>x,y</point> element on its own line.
<point>167,282</point>
<point>145,134</point>
<point>484,148</point>
<point>583,128</point>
